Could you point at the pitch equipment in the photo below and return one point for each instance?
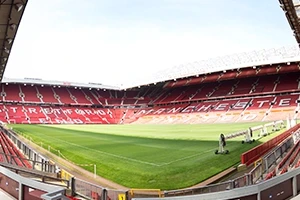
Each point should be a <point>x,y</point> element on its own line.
<point>248,136</point>
<point>222,144</point>
<point>276,125</point>
<point>290,123</point>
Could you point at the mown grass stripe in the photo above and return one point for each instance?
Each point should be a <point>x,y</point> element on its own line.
<point>145,156</point>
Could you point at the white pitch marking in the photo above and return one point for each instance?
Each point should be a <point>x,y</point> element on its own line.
<point>110,154</point>
<point>185,158</point>
<point>132,159</point>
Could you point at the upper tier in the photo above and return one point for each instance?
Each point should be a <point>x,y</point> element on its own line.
<point>156,94</point>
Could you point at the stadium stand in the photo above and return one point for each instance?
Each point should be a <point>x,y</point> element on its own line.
<point>12,154</point>
<point>11,93</point>
<point>29,94</point>
<point>47,94</point>
<point>216,98</point>
<point>55,114</point>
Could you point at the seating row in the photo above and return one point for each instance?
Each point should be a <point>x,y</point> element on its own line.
<point>276,83</point>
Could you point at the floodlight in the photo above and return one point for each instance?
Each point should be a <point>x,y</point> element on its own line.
<point>6,50</point>
<point>281,6</point>
<point>9,40</point>
<point>19,6</point>
<point>13,26</point>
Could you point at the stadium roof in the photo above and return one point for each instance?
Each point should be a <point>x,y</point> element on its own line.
<point>11,12</point>
<point>224,63</point>
<point>229,62</point>
<point>291,9</point>
<point>242,60</point>
<point>37,81</point>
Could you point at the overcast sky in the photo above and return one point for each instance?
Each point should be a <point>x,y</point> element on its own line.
<point>117,41</point>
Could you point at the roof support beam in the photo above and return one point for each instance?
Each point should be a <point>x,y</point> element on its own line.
<point>11,15</point>
<point>291,14</point>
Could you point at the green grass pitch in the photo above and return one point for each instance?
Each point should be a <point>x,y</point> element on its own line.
<point>145,156</point>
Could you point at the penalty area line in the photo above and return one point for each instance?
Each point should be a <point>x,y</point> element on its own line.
<point>186,157</point>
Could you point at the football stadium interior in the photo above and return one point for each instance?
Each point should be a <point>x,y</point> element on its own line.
<point>227,132</point>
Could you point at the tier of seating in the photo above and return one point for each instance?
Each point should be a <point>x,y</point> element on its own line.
<point>218,98</point>
<point>232,88</point>
<point>238,104</point>
<point>23,93</point>
<point>289,161</point>
<point>225,88</point>
<point>10,154</point>
<point>242,109</point>
<point>235,74</point>
<point>56,115</point>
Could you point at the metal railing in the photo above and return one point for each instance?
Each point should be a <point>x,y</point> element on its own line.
<point>271,158</point>
<point>241,181</point>
<point>256,174</point>
<point>92,191</point>
<point>36,160</point>
<point>86,189</point>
